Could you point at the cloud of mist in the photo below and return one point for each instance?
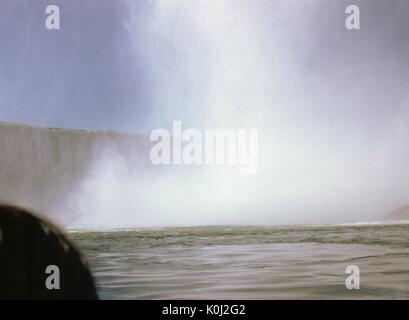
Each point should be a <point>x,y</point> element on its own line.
<point>330,107</point>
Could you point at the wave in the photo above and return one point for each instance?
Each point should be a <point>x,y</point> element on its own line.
<point>374,223</point>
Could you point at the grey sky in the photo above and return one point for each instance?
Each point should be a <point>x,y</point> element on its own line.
<point>82,76</point>
<point>133,65</point>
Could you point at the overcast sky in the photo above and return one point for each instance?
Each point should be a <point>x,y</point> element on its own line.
<point>135,65</point>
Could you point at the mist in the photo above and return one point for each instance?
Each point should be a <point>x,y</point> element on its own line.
<point>330,106</point>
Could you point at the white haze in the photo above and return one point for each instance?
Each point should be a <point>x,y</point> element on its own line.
<point>311,90</point>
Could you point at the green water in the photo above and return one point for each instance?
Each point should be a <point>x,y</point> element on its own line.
<point>249,262</point>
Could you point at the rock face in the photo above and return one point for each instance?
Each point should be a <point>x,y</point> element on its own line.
<point>400,214</point>
<point>38,166</point>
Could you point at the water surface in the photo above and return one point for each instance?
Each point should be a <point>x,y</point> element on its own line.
<point>249,262</point>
